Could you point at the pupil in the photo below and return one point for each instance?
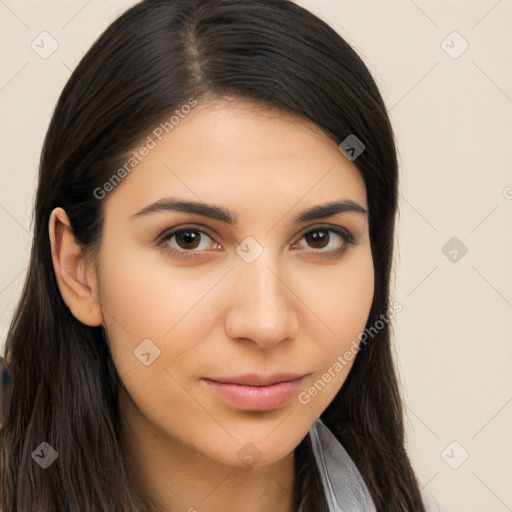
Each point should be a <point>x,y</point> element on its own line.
<point>318,239</point>
<point>189,237</point>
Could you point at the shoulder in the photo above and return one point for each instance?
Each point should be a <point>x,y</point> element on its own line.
<point>431,503</point>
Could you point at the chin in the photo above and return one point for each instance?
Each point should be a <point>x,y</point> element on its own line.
<point>260,448</point>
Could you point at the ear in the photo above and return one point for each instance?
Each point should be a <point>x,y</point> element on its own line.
<point>75,274</point>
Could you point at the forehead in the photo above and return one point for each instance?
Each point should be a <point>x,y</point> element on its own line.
<point>242,155</point>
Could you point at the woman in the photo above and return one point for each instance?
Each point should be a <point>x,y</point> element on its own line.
<point>205,321</point>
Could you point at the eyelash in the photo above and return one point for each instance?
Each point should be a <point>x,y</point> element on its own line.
<point>162,241</point>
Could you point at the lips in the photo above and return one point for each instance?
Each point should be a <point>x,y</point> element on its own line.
<point>258,380</point>
<point>256,392</point>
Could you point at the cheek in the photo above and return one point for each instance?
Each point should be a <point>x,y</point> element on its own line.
<point>139,291</point>
<point>143,296</point>
<point>341,298</point>
<point>352,296</point>
<point>343,308</point>
<point>351,300</point>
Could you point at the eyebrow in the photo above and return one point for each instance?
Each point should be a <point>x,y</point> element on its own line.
<point>229,217</point>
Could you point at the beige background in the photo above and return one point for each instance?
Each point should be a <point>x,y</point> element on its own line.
<point>453,119</point>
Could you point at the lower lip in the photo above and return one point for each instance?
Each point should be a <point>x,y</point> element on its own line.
<point>256,397</point>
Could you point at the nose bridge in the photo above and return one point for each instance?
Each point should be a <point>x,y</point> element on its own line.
<point>262,307</point>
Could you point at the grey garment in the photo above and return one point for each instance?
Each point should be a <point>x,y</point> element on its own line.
<point>343,484</point>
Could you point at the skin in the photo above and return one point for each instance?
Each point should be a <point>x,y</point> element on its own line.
<point>294,308</point>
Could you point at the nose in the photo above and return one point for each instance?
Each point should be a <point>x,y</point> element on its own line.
<point>262,306</point>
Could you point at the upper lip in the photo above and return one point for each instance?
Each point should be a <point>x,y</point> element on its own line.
<point>257,379</point>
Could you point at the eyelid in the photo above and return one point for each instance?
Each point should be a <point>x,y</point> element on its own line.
<point>169,233</point>
<point>206,230</point>
<point>162,239</point>
<point>329,227</point>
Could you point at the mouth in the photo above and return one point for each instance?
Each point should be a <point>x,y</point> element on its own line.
<point>256,392</point>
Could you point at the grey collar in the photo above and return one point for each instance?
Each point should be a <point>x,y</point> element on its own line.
<point>343,484</point>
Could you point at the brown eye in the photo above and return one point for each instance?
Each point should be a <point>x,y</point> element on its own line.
<point>186,242</point>
<point>187,239</point>
<point>325,240</point>
<point>318,239</point>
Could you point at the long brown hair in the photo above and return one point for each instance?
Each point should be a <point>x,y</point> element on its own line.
<point>148,63</point>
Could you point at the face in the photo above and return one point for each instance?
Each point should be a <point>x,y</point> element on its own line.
<point>230,326</point>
